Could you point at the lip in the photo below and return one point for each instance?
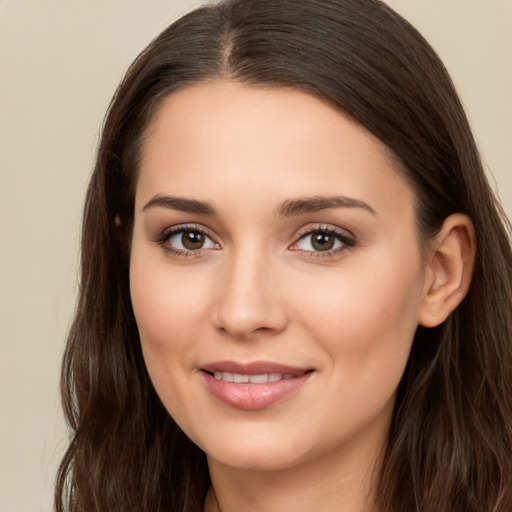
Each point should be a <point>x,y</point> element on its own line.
<point>253,396</point>
<point>253,367</point>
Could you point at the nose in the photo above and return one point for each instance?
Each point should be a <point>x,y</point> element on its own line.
<point>250,298</point>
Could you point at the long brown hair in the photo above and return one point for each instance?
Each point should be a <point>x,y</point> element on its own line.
<point>450,445</point>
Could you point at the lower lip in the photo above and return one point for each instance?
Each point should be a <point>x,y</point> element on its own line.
<point>253,396</point>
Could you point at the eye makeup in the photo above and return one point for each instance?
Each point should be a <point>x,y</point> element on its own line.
<point>193,240</point>
<point>323,241</point>
<point>186,240</point>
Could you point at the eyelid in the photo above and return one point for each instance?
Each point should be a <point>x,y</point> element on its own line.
<point>344,236</point>
<point>328,228</point>
<point>347,239</point>
<point>172,230</point>
<point>166,234</point>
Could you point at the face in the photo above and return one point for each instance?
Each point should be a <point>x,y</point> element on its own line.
<point>275,275</point>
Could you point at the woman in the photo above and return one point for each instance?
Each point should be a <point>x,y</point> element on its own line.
<point>296,282</point>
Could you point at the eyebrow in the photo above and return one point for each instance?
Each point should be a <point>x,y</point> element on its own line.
<point>181,204</point>
<point>289,208</point>
<point>312,204</point>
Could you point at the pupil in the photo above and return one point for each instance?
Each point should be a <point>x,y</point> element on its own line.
<point>322,242</point>
<point>192,240</point>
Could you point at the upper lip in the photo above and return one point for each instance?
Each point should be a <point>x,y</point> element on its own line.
<point>253,368</point>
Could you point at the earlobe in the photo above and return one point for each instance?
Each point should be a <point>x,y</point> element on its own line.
<point>449,270</point>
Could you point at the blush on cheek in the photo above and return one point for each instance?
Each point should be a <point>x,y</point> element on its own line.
<point>167,310</point>
<point>362,315</point>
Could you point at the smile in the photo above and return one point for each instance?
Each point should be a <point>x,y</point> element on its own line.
<point>253,386</point>
<point>263,378</point>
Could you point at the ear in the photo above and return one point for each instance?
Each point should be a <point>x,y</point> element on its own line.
<point>448,271</point>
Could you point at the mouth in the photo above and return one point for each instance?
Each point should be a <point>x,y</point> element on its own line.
<point>255,385</point>
<point>262,378</point>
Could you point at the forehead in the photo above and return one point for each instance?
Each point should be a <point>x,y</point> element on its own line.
<point>252,140</point>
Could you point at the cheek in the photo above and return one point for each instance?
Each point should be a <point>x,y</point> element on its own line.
<point>366,319</point>
<point>365,327</point>
<point>169,309</point>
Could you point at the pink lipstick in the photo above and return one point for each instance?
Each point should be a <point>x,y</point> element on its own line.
<point>254,385</point>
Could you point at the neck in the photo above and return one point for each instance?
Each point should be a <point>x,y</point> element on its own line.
<point>343,481</point>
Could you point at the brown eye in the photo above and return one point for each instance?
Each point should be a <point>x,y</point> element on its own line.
<point>192,240</point>
<point>322,241</point>
<point>188,240</point>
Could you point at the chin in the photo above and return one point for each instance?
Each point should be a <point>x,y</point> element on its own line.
<point>255,458</point>
<point>254,451</point>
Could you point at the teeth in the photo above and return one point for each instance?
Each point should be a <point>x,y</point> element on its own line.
<point>238,378</point>
<point>258,379</point>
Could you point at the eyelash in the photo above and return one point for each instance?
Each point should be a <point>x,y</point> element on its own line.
<point>346,241</point>
<point>167,234</point>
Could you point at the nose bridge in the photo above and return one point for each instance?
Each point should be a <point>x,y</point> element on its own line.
<point>248,300</point>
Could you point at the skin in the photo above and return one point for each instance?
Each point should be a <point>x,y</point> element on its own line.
<point>258,291</point>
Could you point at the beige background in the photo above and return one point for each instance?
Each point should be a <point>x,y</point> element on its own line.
<point>59,64</point>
